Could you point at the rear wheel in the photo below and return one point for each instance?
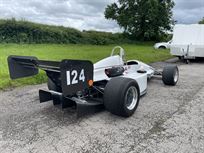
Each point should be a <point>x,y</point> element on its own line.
<point>170,75</point>
<point>59,99</point>
<point>51,86</point>
<point>121,96</point>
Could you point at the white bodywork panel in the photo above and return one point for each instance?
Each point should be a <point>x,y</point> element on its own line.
<point>188,41</point>
<point>130,71</point>
<point>162,44</point>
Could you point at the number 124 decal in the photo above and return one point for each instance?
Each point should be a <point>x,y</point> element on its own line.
<point>73,77</point>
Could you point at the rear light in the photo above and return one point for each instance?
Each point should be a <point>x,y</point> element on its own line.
<point>90,83</point>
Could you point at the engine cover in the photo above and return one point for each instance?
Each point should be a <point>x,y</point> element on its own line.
<point>114,72</point>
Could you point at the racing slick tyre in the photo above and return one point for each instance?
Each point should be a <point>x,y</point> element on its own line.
<point>121,96</point>
<point>58,99</point>
<point>170,75</point>
<point>51,86</point>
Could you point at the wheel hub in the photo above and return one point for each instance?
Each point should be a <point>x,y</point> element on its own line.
<point>131,98</point>
<point>176,76</point>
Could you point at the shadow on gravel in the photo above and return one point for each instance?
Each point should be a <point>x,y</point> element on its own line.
<point>71,114</point>
<point>176,61</point>
<point>198,60</point>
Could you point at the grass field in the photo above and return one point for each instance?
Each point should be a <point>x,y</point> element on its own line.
<point>143,52</point>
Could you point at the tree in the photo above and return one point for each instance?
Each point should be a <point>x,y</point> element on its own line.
<point>142,19</point>
<point>202,21</point>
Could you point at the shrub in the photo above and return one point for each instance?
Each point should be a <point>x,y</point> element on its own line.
<point>12,31</point>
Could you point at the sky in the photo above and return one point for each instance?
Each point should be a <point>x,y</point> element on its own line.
<point>86,14</point>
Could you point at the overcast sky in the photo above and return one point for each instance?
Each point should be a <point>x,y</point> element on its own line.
<point>85,14</point>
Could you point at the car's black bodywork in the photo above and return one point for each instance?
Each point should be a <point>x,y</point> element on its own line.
<point>66,94</point>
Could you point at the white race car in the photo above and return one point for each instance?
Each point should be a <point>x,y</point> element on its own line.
<point>163,45</point>
<point>112,82</point>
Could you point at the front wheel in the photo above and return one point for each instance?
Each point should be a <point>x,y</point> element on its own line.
<point>170,75</point>
<point>121,96</point>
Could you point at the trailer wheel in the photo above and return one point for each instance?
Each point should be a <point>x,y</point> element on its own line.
<point>121,96</point>
<point>51,86</point>
<point>179,57</point>
<point>170,75</point>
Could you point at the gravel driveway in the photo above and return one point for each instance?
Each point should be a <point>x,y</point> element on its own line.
<point>168,119</point>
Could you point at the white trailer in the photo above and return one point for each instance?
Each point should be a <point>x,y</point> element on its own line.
<point>188,41</point>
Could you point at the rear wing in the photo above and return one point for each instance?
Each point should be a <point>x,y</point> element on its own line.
<point>25,66</point>
<point>71,75</point>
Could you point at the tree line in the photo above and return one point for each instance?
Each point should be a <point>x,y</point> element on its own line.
<point>143,19</point>
<point>201,21</point>
<point>13,31</point>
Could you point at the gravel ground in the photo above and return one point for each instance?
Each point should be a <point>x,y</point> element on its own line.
<point>168,119</point>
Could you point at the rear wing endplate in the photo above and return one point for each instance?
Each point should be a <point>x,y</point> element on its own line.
<point>20,66</point>
<point>25,66</point>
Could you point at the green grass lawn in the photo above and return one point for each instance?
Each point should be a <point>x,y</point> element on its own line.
<point>143,52</point>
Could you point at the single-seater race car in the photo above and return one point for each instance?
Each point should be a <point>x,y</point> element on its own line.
<point>112,82</point>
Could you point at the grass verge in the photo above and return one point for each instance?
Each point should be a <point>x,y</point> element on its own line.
<point>143,52</point>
